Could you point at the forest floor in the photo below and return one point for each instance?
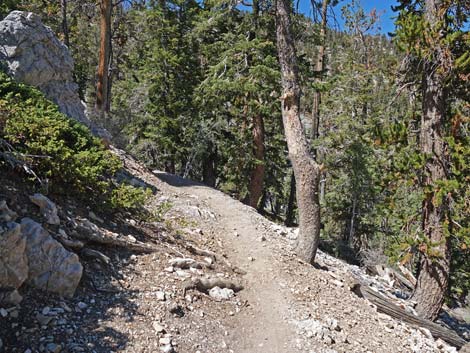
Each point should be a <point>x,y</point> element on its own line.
<point>138,303</point>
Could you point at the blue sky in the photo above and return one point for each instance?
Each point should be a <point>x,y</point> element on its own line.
<point>383,7</point>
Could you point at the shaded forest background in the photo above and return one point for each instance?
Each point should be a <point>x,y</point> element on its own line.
<point>194,89</point>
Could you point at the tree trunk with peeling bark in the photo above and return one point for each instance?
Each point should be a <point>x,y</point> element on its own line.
<point>433,277</point>
<point>306,169</point>
<point>104,54</point>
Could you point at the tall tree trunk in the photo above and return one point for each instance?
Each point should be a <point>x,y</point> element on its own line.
<point>65,27</point>
<point>255,188</point>
<point>105,50</point>
<point>433,277</point>
<point>209,164</point>
<point>319,68</point>
<point>291,203</point>
<point>306,170</point>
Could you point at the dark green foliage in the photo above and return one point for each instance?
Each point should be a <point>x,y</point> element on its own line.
<point>59,150</point>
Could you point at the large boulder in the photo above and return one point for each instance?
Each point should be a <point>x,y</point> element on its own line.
<point>51,266</point>
<point>13,261</point>
<point>33,55</point>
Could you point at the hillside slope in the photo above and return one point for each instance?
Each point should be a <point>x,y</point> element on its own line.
<point>137,302</point>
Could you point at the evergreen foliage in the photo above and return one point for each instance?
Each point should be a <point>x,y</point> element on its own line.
<point>59,151</point>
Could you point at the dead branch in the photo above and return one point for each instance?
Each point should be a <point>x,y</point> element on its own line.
<point>385,306</point>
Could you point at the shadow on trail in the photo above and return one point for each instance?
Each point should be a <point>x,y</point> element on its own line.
<point>175,180</point>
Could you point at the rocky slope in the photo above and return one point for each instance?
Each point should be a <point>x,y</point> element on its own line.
<point>146,301</point>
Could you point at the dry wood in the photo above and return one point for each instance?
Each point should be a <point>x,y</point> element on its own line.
<point>185,263</point>
<point>407,273</point>
<point>95,254</point>
<point>385,306</point>
<point>71,244</point>
<point>404,281</point>
<point>85,234</point>
<point>201,252</point>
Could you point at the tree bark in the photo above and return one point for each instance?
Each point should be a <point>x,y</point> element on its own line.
<point>209,167</point>
<point>433,277</point>
<point>306,170</point>
<point>104,54</point>
<point>255,189</point>
<point>289,222</point>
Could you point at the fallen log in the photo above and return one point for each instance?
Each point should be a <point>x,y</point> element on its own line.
<point>90,233</point>
<point>385,306</point>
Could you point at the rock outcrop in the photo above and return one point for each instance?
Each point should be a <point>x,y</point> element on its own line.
<point>29,254</point>
<point>51,266</point>
<point>33,55</point>
<point>13,262</point>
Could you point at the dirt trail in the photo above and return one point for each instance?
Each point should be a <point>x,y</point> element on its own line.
<point>265,327</point>
<point>138,304</point>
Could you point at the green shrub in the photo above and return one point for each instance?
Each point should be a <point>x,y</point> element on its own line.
<point>59,149</point>
<point>128,197</point>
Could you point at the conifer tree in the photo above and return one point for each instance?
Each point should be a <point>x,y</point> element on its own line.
<point>432,34</point>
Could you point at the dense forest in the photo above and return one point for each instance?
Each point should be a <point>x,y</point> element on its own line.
<point>360,138</point>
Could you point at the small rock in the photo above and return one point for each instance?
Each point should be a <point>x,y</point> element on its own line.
<point>53,348</point>
<point>328,340</point>
<point>82,305</point>
<point>65,307</point>
<point>220,294</point>
<point>43,319</point>
<point>157,327</point>
<point>168,348</point>
<point>94,217</point>
<point>251,258</point>
<point>160,296</point>
<point>165,341</point>
<point>177,310</point>
<point>170,269</point>
<point>14,314</point>
<point>3,312</point>
<point>131,238</point>
<point>47,208</point>
<point>262,238</point>
<point>46,310</point>
<point>182,274</point>
<point>333,324</point>
<point>28,351</point>
<point>208,260</point>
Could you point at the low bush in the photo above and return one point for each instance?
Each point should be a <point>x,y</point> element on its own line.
<point>60,152</point>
